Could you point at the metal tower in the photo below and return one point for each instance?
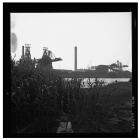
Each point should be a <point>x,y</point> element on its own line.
<point>47,58</point>
<point>27,52</point>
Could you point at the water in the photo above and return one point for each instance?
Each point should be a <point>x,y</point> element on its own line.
<point>105,81</point>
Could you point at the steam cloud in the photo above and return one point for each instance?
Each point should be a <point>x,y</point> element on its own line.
<point>13,35</point>
<point>13,42</point>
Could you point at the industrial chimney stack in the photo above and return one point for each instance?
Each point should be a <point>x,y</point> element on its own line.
<point>75,60</point>
<point>22,52</point>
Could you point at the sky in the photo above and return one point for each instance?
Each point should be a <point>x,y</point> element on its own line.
<point>101,38</point>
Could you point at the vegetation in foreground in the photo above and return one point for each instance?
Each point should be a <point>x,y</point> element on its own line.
<point>39,98</point>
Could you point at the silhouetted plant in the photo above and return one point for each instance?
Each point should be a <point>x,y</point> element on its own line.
<point>40,95</point>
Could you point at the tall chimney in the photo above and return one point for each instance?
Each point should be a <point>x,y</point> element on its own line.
<point>23,52</point>
<point>75,60</point>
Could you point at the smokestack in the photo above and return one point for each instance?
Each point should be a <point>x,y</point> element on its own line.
<point>23,52</point>
<point>75,61</point>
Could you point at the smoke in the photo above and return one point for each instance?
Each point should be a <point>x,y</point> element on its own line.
<point>13,34</point>
<point>13,42</point>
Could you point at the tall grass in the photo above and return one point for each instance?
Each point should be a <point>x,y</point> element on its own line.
<point>39,97</point>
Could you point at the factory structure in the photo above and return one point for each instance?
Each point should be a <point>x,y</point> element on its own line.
<point>48,57</point>
<point>114,67</point>
<point>45,62</point>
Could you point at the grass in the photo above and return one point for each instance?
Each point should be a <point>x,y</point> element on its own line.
<point>109,110</point>
<point>39,98</point>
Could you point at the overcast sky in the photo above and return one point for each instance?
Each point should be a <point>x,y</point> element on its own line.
<point>101,38</point>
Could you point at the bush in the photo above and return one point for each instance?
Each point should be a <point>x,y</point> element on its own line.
<point>39,97</point>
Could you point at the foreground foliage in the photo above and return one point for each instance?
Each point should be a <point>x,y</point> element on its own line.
<point>39,98</point>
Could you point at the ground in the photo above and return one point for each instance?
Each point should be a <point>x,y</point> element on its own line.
<point>105,109</point>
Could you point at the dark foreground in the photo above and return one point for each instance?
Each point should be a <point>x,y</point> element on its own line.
<point>41,99</point>
<point>109,110</point>
<point>100,109</point>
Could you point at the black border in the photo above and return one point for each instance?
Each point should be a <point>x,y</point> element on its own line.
<point>67,7</point>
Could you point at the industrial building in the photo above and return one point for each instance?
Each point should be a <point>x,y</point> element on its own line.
<point>45,62</point>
